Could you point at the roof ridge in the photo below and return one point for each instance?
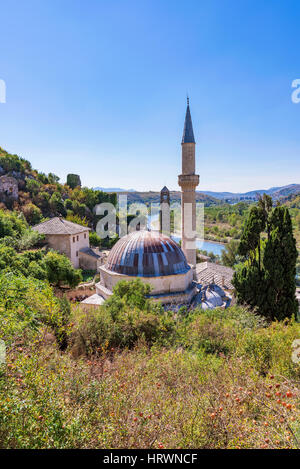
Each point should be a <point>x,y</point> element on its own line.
<point>66,226</point>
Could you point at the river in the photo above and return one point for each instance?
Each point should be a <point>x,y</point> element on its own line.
<point>209,246</point>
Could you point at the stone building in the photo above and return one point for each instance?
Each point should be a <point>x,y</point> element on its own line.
<point>164,213</point>
<point>90,258</point>
<point>72,240</point>
<point>154,258</point>
<point>9,187</point>
<point>158,260</point>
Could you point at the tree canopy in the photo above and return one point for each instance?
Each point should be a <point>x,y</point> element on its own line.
<point>266,279</point>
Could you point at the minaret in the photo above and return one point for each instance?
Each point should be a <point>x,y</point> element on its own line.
<point>188,181</point>
<point>164,213</point>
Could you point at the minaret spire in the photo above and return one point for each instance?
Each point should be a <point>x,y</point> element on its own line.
<point>188,133</point>
<point>188,182</point>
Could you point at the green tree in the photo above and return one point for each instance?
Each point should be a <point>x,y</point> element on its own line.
<point>229,255</point>
<point>265,204</point>
<point>60,270</point>
<point>57,205</point>
<point>32,186</point>
<point>28,239</point>
<point>128,295</point>
<point>68,204</point>
<point>250,241</point>
<point>52,178</point>
<point>280,256</point>
<point>32,213</point>
<point>76,219</point>
<point>11,223</point>
<point>269,285</point>
<point>7,257</point>
<point>95,240</point>
<point>41,200</point>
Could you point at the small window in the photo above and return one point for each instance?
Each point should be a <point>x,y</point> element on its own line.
<point>73,239</point>
<point>84,235</point>
<point>76,253</point>
<point>77,238</point>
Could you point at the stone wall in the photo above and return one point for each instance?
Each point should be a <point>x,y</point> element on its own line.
<point>61,243</point>
<point>9,187</point>
<point>88,262</point>
<point>176,288</point>
<point>174,297</point>
<point>78,241</point>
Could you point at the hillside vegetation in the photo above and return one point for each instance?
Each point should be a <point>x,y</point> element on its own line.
<point>22,253</point>
<point>225,222</point>
<point>134,376</point>
<point>42,196</point>
<point>129,374</point>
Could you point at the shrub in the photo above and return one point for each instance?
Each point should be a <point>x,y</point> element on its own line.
<point>95,240</point>
<point>11,224</point>
<point>128,295</point>
<point>33,186</point>
<point>142,398</point>
<point>25,305</point>
<point>56,204</point>
<point>126,317</point>
<point>99,330</point>
<point>32,213</point>
<point>77,219</point>
<point>60,270</point>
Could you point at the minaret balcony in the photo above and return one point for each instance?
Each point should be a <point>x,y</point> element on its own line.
<point>188,181</point>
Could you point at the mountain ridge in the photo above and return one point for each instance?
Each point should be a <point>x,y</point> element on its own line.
<point>276,192</point>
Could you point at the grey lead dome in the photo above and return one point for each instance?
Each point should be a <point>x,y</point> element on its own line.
<point>147,254</point>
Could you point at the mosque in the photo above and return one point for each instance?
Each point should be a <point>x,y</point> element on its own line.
<point>154,257</point>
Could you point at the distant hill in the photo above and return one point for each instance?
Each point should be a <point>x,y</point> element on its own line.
<point>151,197</point>
<point>291,201</point>
<point>113,189</point>
<point>274,192</point>
<point>208,197</point>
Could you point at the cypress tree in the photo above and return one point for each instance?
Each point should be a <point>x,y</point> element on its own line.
<point>266,280</point>
<point>280,256</point>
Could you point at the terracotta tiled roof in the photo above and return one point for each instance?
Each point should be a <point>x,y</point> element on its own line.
<point>59,226</point>
<point>147,254</point>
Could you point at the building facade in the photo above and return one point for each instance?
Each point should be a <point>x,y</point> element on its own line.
<point>70,239</point>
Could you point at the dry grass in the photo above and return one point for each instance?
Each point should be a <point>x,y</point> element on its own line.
<point>145,398</point>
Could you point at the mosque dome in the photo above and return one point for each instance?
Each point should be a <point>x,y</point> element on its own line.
<point>212,297</point>
<point>146,254</point>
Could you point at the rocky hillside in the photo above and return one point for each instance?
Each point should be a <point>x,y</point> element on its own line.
<point>39,195</point>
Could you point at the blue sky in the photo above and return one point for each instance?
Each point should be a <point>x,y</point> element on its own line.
<point>99,88</point>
